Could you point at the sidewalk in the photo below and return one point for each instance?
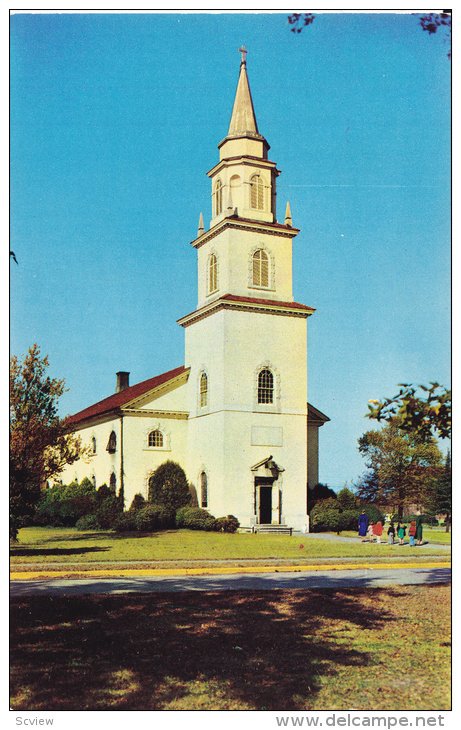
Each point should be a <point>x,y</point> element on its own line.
<point>216,567</point>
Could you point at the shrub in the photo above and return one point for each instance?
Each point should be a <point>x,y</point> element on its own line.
<point>168,486</point>
<point>153,517</point>
<point>226,524</point>
<point>349,519</point>
<point>103,492</point>
<point>373,513</point>
<point>88,522</point>
<point>108,511</point>
<point>194,518</point>
<point>62,506</point>
<point>138,503</point>
<point>325,515</point>
<point>125,522</point>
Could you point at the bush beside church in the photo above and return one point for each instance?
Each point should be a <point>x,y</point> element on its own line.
<point>169,506</point>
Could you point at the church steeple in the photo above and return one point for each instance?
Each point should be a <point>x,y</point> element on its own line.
<point>243,137</point>
<point>243,119</point>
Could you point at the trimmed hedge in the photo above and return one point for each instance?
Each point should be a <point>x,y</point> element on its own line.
<point>153,517</point>
<point>88,522</point>
<point>226,524</point>
<point>126,522</point>
<point>194,518</point>
<point>168,486</point>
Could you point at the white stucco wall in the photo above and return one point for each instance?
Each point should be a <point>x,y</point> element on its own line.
<point>232,433</point>
<point>234,250</point>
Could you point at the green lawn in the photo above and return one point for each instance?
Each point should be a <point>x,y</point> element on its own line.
<point>283,650</point>
<point>434,535</point>
<point>67,545</point>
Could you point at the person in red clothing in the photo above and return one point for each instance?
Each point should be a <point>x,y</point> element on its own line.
<point>378,530</point>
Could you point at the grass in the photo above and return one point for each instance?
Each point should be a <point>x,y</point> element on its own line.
<point>434,535</point>
<point>332,649</point>
<point>66,545</point>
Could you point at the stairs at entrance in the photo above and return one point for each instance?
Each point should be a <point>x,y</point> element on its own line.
<point>273,529</point>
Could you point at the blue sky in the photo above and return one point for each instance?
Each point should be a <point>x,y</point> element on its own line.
<point>116,118</point>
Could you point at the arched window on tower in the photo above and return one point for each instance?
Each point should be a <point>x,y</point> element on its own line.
<point>93,444</point>
<point>218,197</point>
<point>265,386</point>
<point>203,390</point>
<point>203,490</point>
<point>155,438</point>
<point>212,274</point>
<point>260,268</point>
<point>256,192</point>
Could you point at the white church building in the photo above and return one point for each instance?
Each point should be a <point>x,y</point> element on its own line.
<point>235,416</point>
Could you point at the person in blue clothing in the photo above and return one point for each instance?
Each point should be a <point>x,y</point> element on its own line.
<point>363,524</point>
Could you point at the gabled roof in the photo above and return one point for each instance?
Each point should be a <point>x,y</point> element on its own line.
<point>117,400</point>
<point>316,417</point>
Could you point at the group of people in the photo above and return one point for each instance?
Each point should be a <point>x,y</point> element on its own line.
<point>371,531</point>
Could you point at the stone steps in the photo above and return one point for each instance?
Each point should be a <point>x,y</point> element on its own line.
<point>273,529</point>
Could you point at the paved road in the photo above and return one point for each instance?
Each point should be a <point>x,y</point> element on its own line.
<point>361,578</point>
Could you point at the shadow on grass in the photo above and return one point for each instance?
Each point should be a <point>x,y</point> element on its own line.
<point>101,535</point>
<point>261,650</point>
<point>21,552</point>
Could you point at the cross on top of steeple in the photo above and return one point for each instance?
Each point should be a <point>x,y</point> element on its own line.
<point>244,52</point>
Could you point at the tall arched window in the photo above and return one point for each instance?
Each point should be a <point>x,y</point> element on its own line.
<point>203,390</point>
<point>212,274</point>
<point>155,438</point>
<point>260,268</point>
<point>265,386</point>
<point>203,490</point>
<point>93,444</point>
<point>256,192</point>
<point>218,194</point>
<point>112,443</point>
<point>113,482</point>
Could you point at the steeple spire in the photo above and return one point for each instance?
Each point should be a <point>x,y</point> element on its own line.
<point>243,119</point>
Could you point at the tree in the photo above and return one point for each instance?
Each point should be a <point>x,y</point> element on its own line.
<point>40,444</point>
<point>423,414</point>
<point>430,23</point>
<point>168,486</point>
<point>401,467</point>
<point>299,21</point>
<point>320,491</point>
<point>347,499</point>
<point>441,493</point>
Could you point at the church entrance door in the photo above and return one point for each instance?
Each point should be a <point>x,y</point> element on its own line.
<point>264,486</point>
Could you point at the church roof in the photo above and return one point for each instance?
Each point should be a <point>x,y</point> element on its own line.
<point>272,302</point>
<point>316,417</point>
<point>124,396</point>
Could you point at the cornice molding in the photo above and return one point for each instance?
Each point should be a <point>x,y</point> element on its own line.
<point>283,309</point>
<point>245,224</point>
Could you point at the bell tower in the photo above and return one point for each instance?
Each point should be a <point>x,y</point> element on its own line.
<point>246,342</point>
